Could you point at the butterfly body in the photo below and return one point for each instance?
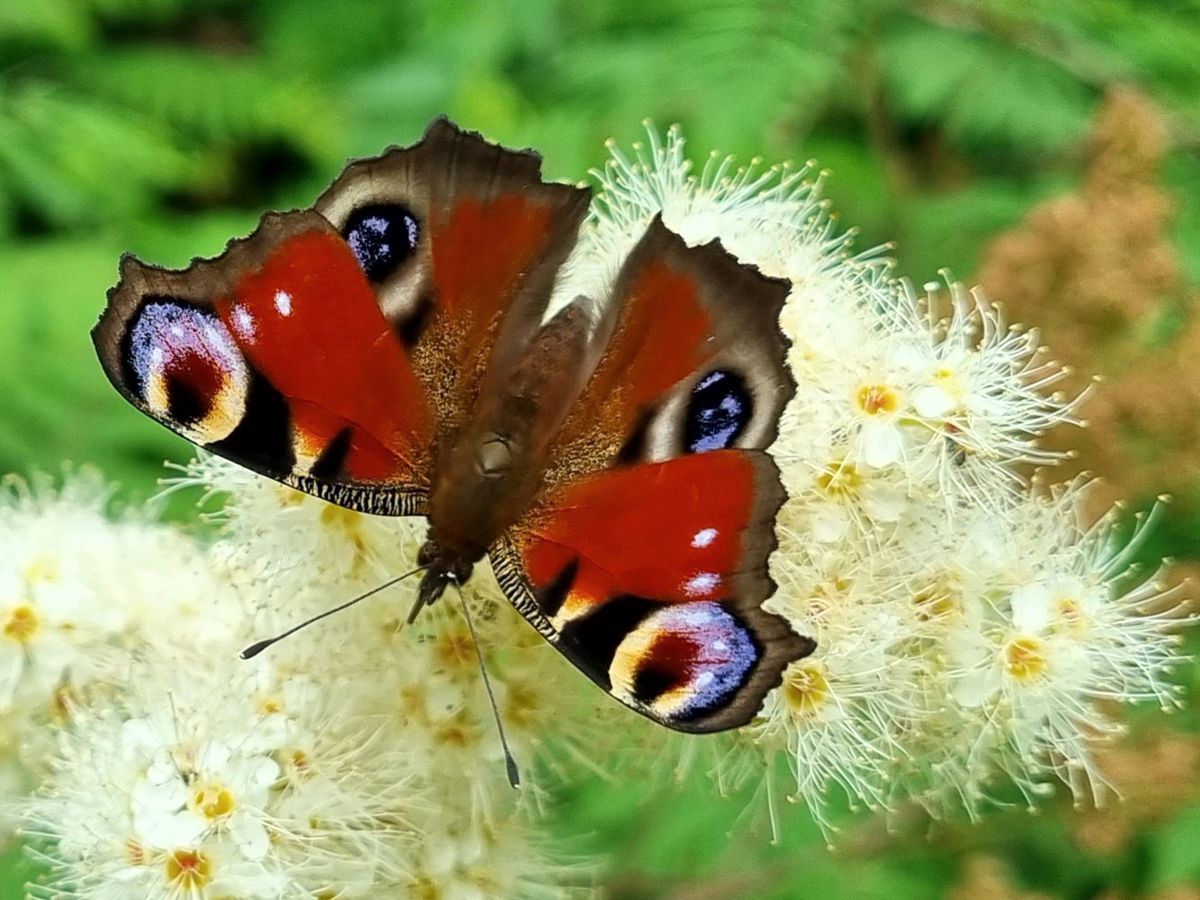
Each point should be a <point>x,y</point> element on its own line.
<point>490,474</point>
<point>391,350</point>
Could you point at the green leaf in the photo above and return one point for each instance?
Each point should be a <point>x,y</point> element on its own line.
<point>991,96</point>
<point>1171,851</point>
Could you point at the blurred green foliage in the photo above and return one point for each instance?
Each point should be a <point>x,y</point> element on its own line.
<point>164,127</point>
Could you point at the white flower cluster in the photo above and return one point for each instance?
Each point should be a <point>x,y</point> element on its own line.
<point>351,761</point>
<point>76,604</point>
<point>970,630</point>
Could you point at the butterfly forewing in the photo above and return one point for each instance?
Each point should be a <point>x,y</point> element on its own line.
<point>277,356</point>
<point>336,349</point>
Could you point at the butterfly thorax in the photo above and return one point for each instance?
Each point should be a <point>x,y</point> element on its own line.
<point>493,469</point>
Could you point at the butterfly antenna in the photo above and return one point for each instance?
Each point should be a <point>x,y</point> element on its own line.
<point>259,646</point>
<point>510,763</point>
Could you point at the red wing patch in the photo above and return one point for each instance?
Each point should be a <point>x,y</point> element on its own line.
<point>671,532</point>
<point>483,240</point>
<point>308,321</point>
<point>681,319</point>
<point>483,248</point>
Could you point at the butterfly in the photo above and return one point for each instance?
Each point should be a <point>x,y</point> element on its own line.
<point>392,350</point>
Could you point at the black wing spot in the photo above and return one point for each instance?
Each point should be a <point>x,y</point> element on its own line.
<point>187,404</point>
<point>651,681</point>
<point>634,447</point>
<point>382,236</point>
<point>550,598</point>
<point>592,641</point>
<point>263,439</point>
<point>329,465</point>
<point>718,412</point>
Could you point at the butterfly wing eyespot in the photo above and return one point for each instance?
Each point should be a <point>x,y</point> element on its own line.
<point>462,241</point>
<point>276,355</point>
<point>383,236</point>
<point>695,361</point>
<point>683,661</point>
<point>719,408</point>
<point>186,368</point>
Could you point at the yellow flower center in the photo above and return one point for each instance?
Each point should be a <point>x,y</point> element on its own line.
<point>411,701</point>
<point>459,734</point>
<point>213,801</point>
<point>190,869</point>
<point>350,524</point>
<point>270,706</point>
<point>1025,658</point>
<point>337,517</point>
<point>805,689</point>
<point>454,649</point>
<point>521,706</point>
<point>840,479</point>
<point>426,888</point>
<point>299,763</point>
<point>290,497</point>
<point>877,399</point>
<point>22,624</point>
<point>1070,611</point>
<point>939,599</point>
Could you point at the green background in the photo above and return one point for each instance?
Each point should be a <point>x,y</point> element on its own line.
<point>164,127</point>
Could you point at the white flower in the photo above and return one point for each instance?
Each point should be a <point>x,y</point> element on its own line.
<point>982,391</point>
<point>177,805</point>
<point>839,713</point>
<point>1060,630</point>
<point>420,683</point>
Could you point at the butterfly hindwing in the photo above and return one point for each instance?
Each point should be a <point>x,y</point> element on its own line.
<point>694,360</point>
<point>650,578</point>
<point>645,558</point>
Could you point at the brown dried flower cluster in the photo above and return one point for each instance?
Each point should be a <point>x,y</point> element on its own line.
<point>987,878</point>
<point>1097,271</point>
<point>1155,778</point>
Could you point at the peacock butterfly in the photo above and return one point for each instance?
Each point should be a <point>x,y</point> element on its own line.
<point>390,350</point>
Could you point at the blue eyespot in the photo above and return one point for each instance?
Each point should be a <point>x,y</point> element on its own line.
<point>718,412</point>
<point>382,236</point>
<point>684,660</point>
